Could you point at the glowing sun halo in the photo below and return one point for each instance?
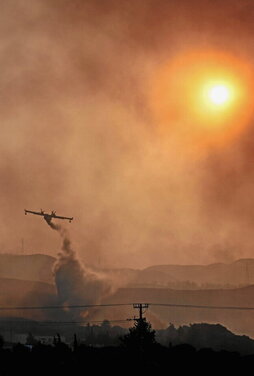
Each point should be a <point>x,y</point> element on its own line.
<point>203,96</point>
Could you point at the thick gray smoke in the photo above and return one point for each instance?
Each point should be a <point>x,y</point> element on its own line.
<point>75,283</point>
<point>77,89</point>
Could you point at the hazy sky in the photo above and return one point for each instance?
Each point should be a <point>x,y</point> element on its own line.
<point>80,133</point>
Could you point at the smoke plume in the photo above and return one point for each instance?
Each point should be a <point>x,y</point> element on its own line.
<point>76,284</point>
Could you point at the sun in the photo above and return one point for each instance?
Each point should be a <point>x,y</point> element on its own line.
<point>202,96</point>
<point>219,94</point>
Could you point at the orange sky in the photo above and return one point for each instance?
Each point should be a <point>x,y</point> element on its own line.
<point>180,96</point>
<point>94,125</point>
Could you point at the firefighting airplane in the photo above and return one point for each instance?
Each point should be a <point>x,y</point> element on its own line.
<point>46,216</point>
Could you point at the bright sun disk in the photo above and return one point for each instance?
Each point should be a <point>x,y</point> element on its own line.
<point>219,94</point>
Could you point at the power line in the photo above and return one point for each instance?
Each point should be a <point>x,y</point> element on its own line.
<point>11,308</point>
<point>60,322</point>
<point>81,306</point>
<point>202,306</point>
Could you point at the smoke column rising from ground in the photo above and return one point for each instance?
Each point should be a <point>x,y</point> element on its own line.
<point>75,283</point>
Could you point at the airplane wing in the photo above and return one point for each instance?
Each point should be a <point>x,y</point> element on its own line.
<point>33,212</point>
<point>59,217</point>
<point>49,216</point>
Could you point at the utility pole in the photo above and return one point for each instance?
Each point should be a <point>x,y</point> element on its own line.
<point>141,336</point>
<point>141,307</point>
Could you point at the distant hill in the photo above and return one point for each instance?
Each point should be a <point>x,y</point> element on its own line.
<point>28,280</point>
<point>29,293</point>
<point>240,322</point>
<point>14,292</point>
<point>38,267</point>
<point>236,274</point>
<point>18,291</point>
<point>215,337</point>
<point>35,267</point>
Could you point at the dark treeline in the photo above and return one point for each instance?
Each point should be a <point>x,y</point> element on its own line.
<point>61,359</point>
<point>202,335</point>
<point>17,330</point>
<point>136,350</point>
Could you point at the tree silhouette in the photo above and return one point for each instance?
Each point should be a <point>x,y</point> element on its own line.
<point>30,340</point>
<point>75,343</point>
<point>141,337</point>
<point>1,342</point>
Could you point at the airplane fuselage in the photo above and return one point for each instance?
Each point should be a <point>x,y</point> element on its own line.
<point>48,217</point>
